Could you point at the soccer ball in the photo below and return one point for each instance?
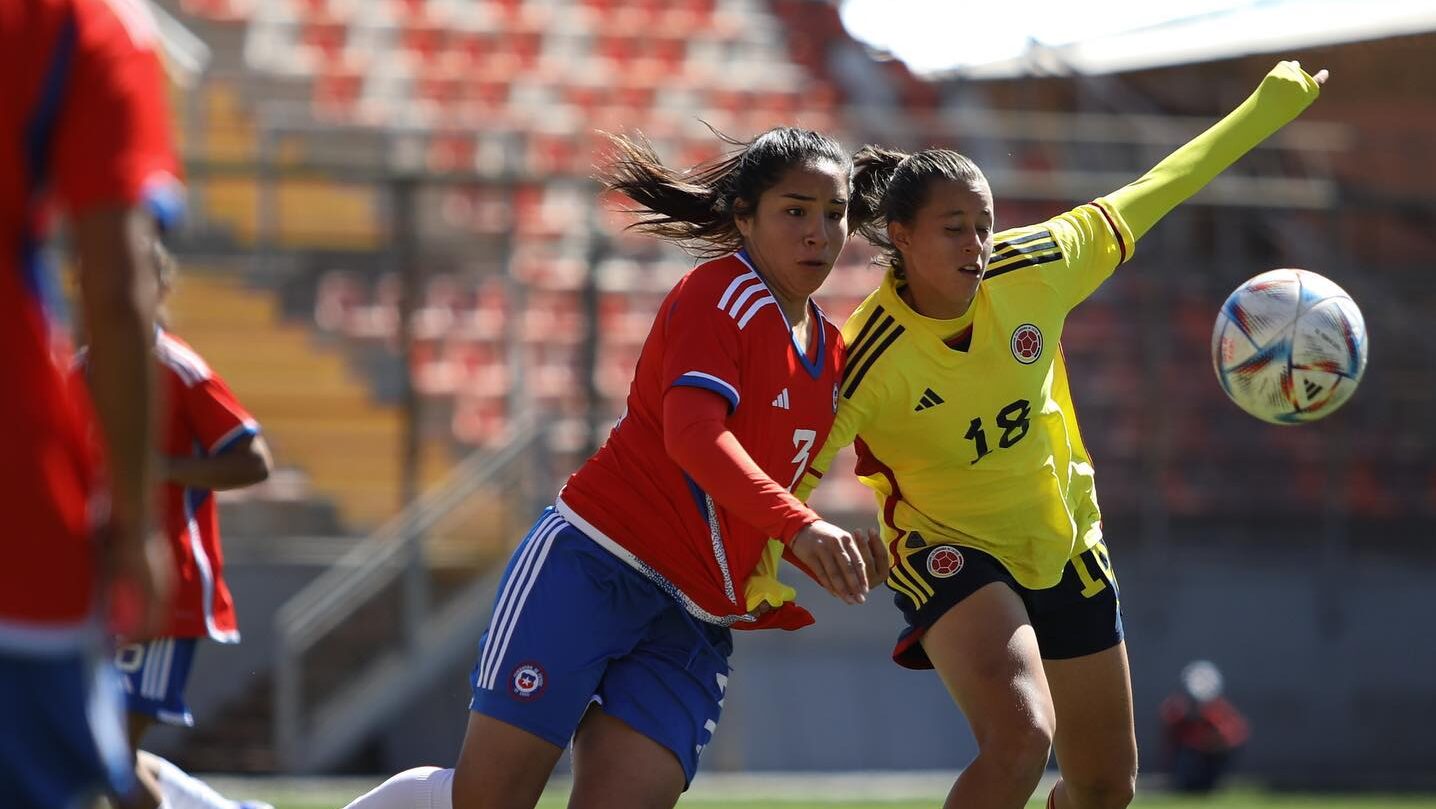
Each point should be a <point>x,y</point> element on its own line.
<point>1289,346</point>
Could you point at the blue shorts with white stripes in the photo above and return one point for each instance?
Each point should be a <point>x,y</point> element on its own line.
<point>575,626</point>
<point>154,675</point>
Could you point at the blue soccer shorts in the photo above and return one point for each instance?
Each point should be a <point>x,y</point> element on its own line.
<point>573,625</point>
<point>62,738</point>
<point>154,675</point>
<point>1079,616</point>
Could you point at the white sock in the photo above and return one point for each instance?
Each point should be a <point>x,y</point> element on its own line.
<point>419,788</point>
<point>180,790</point>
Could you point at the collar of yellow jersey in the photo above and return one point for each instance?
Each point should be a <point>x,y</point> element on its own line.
<point>941,329</point>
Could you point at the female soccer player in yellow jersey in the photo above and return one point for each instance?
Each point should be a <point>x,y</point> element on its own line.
<point>956,395</point>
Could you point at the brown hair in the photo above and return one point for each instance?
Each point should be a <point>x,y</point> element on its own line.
<point>696,208</point>
<point>891,186</point>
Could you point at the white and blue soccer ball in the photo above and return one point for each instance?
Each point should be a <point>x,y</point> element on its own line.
<point>1289,346</point>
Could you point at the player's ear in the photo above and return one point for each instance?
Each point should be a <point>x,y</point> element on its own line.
<point>899,235</point>
<point>743,218</point>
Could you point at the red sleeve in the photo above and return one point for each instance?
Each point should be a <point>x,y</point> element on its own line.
<point>216,416</point>
<point>113,142</point>
<point>696,438</point>
<point>701,345</point>
<point>1228,722</point>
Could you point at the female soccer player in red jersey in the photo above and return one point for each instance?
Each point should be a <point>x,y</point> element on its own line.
<point>956,395</point>
<point>208,442</point>
<point>612,623</point>
<point>83,129</point>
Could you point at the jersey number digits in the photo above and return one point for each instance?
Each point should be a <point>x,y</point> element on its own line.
<point>1014,419</point>
<point>803,440</point>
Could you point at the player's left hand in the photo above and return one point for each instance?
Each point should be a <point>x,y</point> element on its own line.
<point>835,560</point>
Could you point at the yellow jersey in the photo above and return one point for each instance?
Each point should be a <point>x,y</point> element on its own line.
<point>980,447</point>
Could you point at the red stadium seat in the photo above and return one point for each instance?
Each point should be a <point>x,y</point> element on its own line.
<point>451,151</point>
<point>336,92</point>
<point>219,10</point>
<point>615,374</point>
<point>551,317</point>
<point>433,374</point>
<point>336,297</point>
<point>480,368</point>
<point>379,318</point>
<point>479,421</point>
<point>443,306</point>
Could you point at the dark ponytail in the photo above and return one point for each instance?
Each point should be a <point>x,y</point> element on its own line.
<point>873,168</point>
<point>696,208</point>
<point>890,186</point>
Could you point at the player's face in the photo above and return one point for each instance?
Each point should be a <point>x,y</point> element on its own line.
<point>946,247</point>
<point>798,229</point>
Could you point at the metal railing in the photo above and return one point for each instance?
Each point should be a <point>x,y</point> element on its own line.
<point>393,553</point>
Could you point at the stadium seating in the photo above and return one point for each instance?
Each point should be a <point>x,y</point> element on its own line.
<point>307,401</point>
<point>516,87</point>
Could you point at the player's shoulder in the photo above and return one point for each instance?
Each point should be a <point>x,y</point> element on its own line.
<point>728,287</point>
<point>179,358</point>
<point>861,315</point>
<point>873,334</point>
<point>1025,248</point>
<point>128,25</point>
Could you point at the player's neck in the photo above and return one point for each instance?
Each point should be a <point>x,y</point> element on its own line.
<point>936,309</point>
<point>794,305</point>
<point>796,312</point>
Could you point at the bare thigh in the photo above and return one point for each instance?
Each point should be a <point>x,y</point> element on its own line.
<point>616,767</point>
<point>985,651</point>
<point>501,766</point>
<point>1096,741</point>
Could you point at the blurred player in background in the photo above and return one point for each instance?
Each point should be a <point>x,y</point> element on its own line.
<point>84,126</point>
<point>612,622</point>
<point>956,394</point>
<point>208,443</point>
<point>1201,728</point>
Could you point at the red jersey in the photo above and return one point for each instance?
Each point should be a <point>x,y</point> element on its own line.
<point>721,330</point>
<point>82,124</point>
<point>202,418</point>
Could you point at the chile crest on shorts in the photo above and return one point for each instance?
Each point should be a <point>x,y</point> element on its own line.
<point>527,682</point>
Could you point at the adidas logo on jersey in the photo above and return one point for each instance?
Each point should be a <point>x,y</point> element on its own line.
<point>782,401</point>
<point>929,399</point>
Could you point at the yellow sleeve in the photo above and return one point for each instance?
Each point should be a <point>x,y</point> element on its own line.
<point>1285,92</point>
<point>850,418</point>
<point>1092,241</point>
<point>763,585</point>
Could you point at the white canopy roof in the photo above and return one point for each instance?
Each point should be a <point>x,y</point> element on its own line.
<point>1275,26</point>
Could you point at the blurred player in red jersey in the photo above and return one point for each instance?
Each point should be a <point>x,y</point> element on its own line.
<point>1202,729</point>
<point>84,127</point>
<point>208,443</point>
<point>612,622</point>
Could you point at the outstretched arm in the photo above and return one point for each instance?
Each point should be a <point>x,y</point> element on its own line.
<point>1285,92</point>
